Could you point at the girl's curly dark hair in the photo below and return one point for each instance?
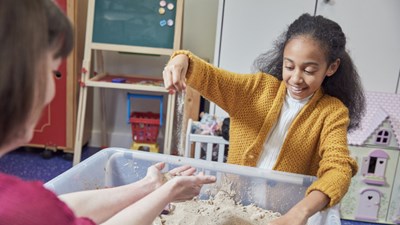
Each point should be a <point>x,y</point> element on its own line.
<point>345,84</point>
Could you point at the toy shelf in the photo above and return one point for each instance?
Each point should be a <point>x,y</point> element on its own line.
<point>131,82</point>
<point>124,34</point>
<point>127,48</point>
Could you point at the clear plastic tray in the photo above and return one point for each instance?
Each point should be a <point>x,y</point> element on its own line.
<point>272,190</point>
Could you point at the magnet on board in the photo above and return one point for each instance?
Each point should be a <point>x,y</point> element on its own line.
<point>170,22</point>
<point>170,6</point>
<point>163,23</point>
<point>161,11</point>
<point>163,3</point>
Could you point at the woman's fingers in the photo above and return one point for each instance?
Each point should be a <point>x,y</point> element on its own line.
<point>188,172</point>
<point>187,187</point>
<point>183,171</point>
<point>179,169</point>
<point>160,165</point>
<point>205,179</point>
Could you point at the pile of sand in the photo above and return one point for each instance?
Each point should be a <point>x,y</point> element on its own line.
<point>220,210</point>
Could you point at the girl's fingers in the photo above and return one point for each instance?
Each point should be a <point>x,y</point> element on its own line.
<point>176,77</point>
<point>183,78</point>
<point>167,76</point>
<point>172,76</point>
<point>174,73</point>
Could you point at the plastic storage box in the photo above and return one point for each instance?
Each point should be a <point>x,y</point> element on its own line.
<point>276,191</point>
<point>145,126</point>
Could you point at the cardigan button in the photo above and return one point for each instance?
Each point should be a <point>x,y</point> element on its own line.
<point>251,157</point>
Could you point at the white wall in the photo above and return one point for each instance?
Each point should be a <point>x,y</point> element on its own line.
<point>371,28</point>
<point>200,18</point>
<point>199,32</point>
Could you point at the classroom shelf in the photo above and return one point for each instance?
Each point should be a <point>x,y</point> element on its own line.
<point>132,82</point>
<point>124,34</point>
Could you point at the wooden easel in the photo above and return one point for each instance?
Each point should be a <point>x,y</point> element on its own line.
<point>88,80</point>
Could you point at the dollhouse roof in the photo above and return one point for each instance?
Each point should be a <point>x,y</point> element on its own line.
<point>379,107</point>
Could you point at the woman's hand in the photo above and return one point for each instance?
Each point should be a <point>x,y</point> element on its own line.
<point>183,185</point>
<point>174,73</point>
<point>157,178</point>
<point>187,187</point>
<point>182,182</point>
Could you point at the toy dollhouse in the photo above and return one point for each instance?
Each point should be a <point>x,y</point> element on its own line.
<point>374,194</point>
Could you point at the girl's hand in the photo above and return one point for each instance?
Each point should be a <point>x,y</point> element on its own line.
<point>290,218</point>
<point>187,187</point>
<point>174,73</point>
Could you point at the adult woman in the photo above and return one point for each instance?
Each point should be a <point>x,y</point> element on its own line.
<point>34,36</point>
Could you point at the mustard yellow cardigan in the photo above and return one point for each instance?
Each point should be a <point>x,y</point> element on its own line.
<point>316,142</point>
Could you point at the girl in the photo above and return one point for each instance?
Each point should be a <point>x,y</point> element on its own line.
<point>34,37</point>
<point>293,115</point>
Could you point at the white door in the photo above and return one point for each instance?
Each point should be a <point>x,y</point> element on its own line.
<point>248,28</point>
<point>372,28</point>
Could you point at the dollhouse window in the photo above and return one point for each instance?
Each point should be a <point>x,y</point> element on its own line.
<point>383,137</point>
<point>374,166</point>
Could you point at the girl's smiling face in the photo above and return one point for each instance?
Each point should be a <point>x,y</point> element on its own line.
<point>305,67</point>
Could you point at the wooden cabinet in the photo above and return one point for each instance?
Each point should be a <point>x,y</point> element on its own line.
<point>56,127</point>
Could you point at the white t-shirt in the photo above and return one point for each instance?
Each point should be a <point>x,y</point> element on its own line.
<point>272,146</point>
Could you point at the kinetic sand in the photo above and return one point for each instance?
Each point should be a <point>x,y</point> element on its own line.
<point>220,210</point>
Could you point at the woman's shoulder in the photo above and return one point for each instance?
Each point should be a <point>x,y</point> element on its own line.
<point>28,202</point>
<point>14,186</point>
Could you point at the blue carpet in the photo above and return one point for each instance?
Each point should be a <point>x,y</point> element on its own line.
<point>350,222</point>
<point>28,164</point>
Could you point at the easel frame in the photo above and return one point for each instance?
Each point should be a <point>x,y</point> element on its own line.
<point>86,81</point>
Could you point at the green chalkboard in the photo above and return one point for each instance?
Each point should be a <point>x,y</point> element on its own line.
<point>145,23</point>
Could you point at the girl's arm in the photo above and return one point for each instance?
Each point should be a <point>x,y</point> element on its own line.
<point>228,90</point>
<point>299,214</point>
<point>335,171</point>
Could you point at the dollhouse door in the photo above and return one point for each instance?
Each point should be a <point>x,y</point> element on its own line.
<point>368,205</point>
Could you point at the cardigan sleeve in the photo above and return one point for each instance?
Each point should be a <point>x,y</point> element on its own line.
<point>228,90</point>
<point>336,167</point>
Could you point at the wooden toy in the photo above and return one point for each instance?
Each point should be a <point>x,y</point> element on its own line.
<point>374,194</point>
